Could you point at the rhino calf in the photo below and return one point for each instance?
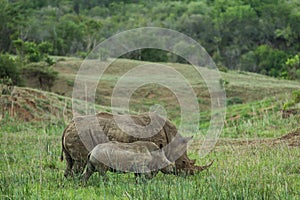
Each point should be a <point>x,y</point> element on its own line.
<point>142,157</point>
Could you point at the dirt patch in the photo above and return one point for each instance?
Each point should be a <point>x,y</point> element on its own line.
<point>290,112</point>
<point>33,105</point>
<point>291,139</point>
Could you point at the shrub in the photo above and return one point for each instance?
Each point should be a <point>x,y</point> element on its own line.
<point>292,68</point>
<point>269,61</point>
<point>32,52</point>
<point>9,69</point>
<point>44,73</point>
<point>82,54</point>
<point>296,96</point>
<point>295,100</point>
<point>234,100</point>
<point>223,82</point>
<point>49,60</point>
<point>222,68</point>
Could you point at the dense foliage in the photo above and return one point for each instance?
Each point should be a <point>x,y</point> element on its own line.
<point>253,35</point>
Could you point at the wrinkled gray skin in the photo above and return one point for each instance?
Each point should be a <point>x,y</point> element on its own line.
<point>143,158</point>
<point>76,147</point>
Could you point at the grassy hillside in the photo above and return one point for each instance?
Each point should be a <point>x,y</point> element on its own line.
<point>244,85</point>
<point>254,102</point>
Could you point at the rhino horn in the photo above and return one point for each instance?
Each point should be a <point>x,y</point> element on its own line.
<point>201,168</point>
<point>193,162</point>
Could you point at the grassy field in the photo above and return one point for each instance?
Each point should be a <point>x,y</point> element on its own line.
<point>30,169</point>
<point>243,87</point>
<point>251,160</point>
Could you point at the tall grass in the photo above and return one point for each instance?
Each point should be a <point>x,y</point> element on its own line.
<point>257,119</point>
<point>30,169</point>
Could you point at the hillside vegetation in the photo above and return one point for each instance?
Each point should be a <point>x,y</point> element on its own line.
<point>255,102</point>
<point>249,35</point>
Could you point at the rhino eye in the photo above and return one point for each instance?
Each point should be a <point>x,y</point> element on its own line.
<point>161,146</point>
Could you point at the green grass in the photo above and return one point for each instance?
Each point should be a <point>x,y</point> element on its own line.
<point>30,169</point>
<point>256,119</point>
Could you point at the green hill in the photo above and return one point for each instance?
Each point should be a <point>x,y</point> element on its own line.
<point>254,102</point>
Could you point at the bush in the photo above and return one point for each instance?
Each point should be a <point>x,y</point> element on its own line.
<point>82,54</point>
<point>270,61</point>
<point>32,52</point>
<point>9,69</point>
<point>222,68</point>
<point>296,96</point>
<point>223,82</point>
<point>148,54</point>
<point>49,60</point>
<point>292,68</point>
<point>44,73</point>
<point>234,100</point>
<point>295,100</point>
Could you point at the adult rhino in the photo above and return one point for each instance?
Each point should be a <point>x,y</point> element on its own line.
<point>76,145</point>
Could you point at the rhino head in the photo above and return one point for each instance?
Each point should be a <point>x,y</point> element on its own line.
<point>161,162</point>
<point>177,152</point>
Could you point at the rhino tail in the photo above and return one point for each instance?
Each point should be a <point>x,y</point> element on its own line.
<point>62,152</point>
<point>62,146</point>
<point>62,156</point>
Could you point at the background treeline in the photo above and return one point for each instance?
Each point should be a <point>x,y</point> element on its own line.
<point>253,35</point>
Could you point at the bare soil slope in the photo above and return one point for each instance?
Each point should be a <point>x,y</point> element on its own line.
<point>291,139</point>
<point>29,104</point>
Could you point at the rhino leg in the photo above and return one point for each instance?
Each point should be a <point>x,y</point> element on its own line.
<point>90,169</point>
<point>139,178</point>
<point>70,163</point>
<point>78,166</point>
<point>144,176</point>
<point>150,175</point>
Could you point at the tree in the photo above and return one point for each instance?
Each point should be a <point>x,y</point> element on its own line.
<point>92,28</point>
<point>32,52</point>
<point>237,26</point>
<point>270,61</point>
